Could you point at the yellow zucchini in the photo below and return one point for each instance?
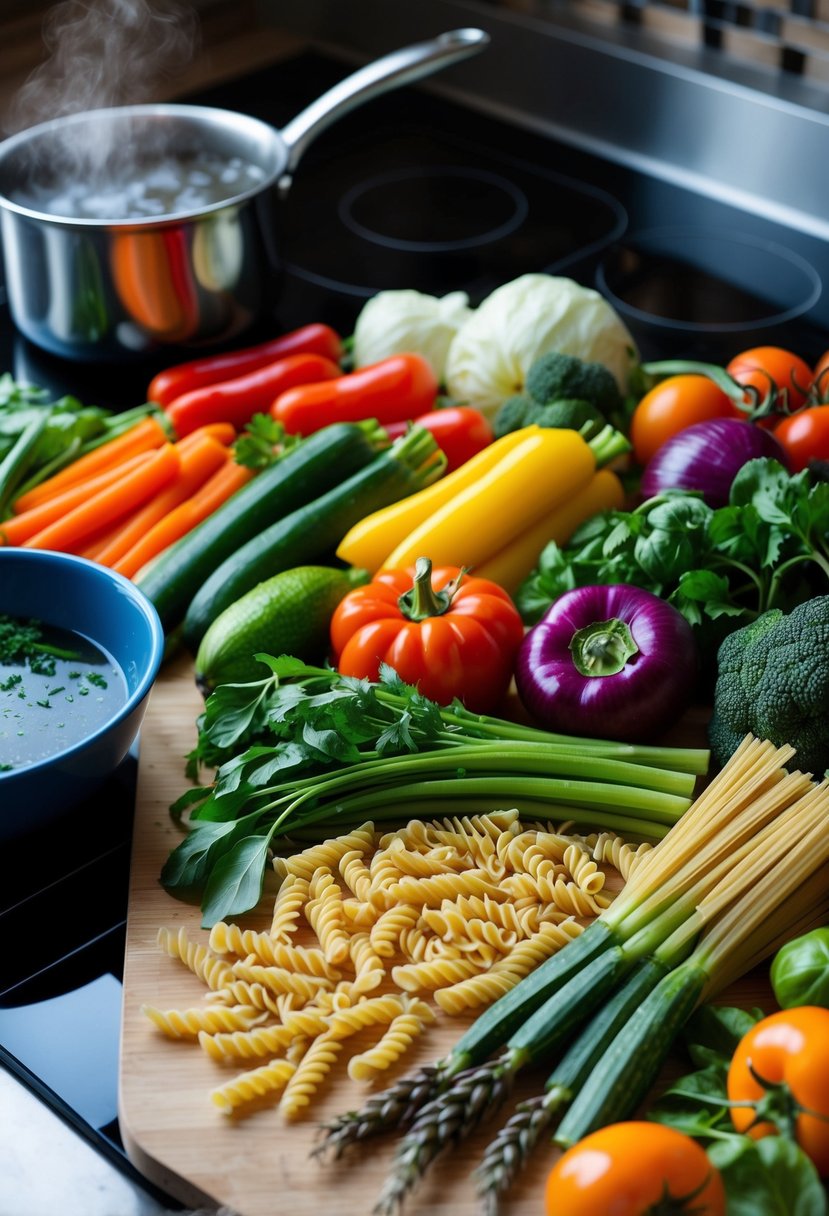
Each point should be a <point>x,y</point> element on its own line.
<point>511,565</point>
<point>542,472</point>
<point>369,542</point>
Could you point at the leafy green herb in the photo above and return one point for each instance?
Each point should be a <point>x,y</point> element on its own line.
<point>22,641</point>
<point>721,568</point>
<point>263,442</point>
<point>773,1175</point>
<point>305,750</point>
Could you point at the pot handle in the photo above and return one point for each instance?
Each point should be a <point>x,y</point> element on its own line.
<point>398,68</point>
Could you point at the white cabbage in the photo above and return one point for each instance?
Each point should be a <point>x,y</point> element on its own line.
<point>394,322</point>
<point>491,354</point>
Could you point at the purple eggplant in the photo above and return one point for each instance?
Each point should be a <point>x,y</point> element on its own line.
<point>613,662</point>
<point>707,457</point>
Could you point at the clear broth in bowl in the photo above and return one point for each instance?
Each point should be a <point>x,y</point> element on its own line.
<point>56,690</point>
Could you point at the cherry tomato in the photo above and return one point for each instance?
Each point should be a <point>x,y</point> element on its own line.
<point>805,436</point>
<point>451,643</point>
<point>765,367</point>
<point>673,405</point>
<point>786,1055</point>
<point>460,431</point>
<point>633,1169</point>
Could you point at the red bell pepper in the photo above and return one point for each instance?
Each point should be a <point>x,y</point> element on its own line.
<point>460,430</point>
<point>316,339</point>
<point>458,641</point>
<point>393,390</point>
<point>236,401</point>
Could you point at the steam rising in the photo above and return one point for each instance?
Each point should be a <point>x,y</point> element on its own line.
<point>105,53</point>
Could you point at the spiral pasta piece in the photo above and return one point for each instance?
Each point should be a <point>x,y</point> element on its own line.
<point>432,891</point>
<point>397,1038</point>
<point>230,939</point>
<point>610,849</point>
<point>439,972</point>
<point>373,1011</point>
<point>309,1074</point>
<point>212,971</point>
<point>386,930</point>
<point>255,1083</point>
<point>246,1044</point>
<point>290,900</point>
<point>280,979</point>
<point>585,873</point>
<point>324,913</point>
<point>326,856</point>
<point>189,1023</point>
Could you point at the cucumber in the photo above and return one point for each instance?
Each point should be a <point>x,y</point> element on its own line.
<point>287,614</point>
<point>312,532</point>
<point>314,466</point>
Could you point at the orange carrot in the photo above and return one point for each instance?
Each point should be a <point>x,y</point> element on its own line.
<point>199,461</point>
<point>182,519</point>
<point>20,527</point>
<point>146,435</point>
<point>225,432</point>
<point>112,503</point>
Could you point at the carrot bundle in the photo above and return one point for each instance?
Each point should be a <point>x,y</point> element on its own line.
<point>183,518</point>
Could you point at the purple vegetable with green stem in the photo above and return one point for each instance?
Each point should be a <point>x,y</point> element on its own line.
<point>610,661</point>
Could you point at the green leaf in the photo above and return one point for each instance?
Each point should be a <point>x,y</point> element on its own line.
<point>188,864</point>
<point>232,711</point>
<point>714,1031</point>
<point>768,1177</point>
<point>685,1108</point>
<point>236,881</point>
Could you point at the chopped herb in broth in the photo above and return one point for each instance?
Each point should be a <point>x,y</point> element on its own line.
<point>56,689</point>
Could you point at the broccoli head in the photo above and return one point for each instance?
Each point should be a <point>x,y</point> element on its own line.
<point>568,414</point>
<point>773,681</point>
<point>556,376</point>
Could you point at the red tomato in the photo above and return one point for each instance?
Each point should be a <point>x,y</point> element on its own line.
<point>673,405</point>
<point>632,1169</point>
<point>772,367</point>
<point>805,436</point>
<point>457,641</point>
<point>460,431</point>
<point>788,1050</point>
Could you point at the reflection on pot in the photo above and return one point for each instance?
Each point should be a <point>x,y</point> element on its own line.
<point>219,251</point>
<point>152,277</point>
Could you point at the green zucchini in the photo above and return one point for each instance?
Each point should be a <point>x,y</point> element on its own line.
<point>312,467</point>
<point>310,533</point>
<point>623,1074</point>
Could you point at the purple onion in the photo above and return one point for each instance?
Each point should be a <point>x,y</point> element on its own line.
<point>610,662</point>
<point>707,457</point>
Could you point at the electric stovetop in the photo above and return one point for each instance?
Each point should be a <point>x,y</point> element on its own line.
<point>413,191</point>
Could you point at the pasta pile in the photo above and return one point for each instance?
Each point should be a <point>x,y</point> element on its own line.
<point>437,918</point>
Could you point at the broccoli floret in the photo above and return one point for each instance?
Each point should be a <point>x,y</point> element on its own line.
<point>567,414</point>
<point>556,376</point>
<point>513,414</point>
<point>773,681</point>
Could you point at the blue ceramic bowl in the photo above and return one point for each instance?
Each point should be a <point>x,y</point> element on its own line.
<point>71,593</point>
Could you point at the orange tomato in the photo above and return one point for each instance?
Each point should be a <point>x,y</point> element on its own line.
<point>673,405</point>
<point>632,1169</point>
<point>820,379</point>
<point>787,1055</point>
<point>772,367</point>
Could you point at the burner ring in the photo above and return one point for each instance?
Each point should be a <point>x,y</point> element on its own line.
<point>506,206</point>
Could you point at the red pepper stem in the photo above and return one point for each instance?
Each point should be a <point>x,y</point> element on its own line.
<point>422,601</point>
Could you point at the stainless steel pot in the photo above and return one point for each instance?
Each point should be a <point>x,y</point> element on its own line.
<point>107,289</point>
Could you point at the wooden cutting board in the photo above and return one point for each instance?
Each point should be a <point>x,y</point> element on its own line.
<point>259,1165</point>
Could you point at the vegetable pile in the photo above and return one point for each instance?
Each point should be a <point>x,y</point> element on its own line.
<point>481,560</point>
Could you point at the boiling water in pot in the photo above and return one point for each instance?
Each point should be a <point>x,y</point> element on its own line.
<point>169,185</point>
